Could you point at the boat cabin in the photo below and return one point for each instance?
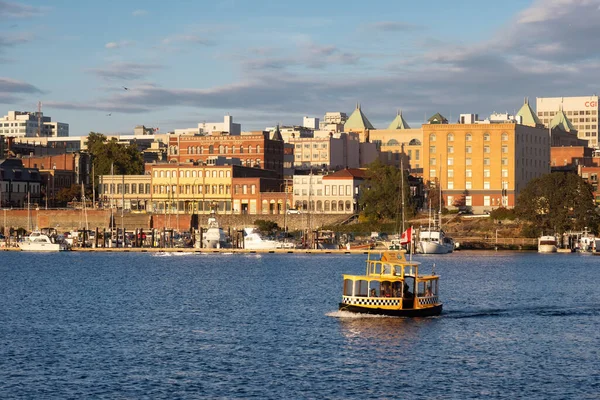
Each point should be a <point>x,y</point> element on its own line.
<point>392,285</point>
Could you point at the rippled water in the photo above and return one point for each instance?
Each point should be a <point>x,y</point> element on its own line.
<point>74,325</point>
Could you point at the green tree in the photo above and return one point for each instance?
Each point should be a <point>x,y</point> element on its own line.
<point>266,226</point>
<point>125,159</point>
<point>558,202</point>
<point>381,195</point>
<point>66,195</point>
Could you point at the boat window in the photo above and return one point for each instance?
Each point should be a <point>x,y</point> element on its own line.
<point>397,270</point>
<point>421,289</point>
<point>397,289</point>
<point>408,287</point>
<point>376,268</point>
<point>386,289</point>
<point>374,289</point>
<point>361,288</point>
<point>347,287</point>
<point>387,269</point>
<point>408,270</point>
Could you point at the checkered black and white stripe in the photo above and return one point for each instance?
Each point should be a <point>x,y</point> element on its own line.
<point>370,301</point>
<point>423,301</point>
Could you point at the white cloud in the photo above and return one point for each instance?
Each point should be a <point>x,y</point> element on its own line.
<point>139,13</point>
<point>16,10</point>
<point>118,45</point>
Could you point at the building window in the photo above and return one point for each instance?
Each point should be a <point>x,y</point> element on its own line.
<point>504,149</point>
<point>486,137</point>
<point>450,149</point>
<point>417,154</point>
<point>486,161</point>
<point>505,173</point>
<point>450,173</point>
<point>450,137</point>
<point>468,137</point>
<point>468,150</point>
<point>431,149</point>
<point>468,201</point>
<point>432,137</point>
<point>505,161</point>
<point>486,149</point>
<point>468,185</point>
<point>504,137</point>
<point>486,185</point>
<point>468,173</point>
<point>468,161</point>
<point>486,173</point>
<point>450,186</point>
<point>432,161</point>
<point>432,173</point>
<point>486,201</point>
<point>450,161</point>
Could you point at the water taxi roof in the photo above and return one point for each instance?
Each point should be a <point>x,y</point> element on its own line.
<point>394,257</point>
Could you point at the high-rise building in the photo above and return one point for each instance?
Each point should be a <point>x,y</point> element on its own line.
<point>581,111</point>
<point>31,124</point>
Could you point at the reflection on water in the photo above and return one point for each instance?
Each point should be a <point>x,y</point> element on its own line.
<point>73,325</point>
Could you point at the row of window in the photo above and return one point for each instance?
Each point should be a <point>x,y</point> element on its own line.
<point>325,205</point>
<point>330,190</point>
<point>469,161</point>
<point>191,189</point>
<point>130,188</point>
<point>315,145</point>
<point>487,201</point>
<point>222,149</point>
<point>192,174</point>
<point>553,113</point>
<point>34,188</point>
<point>469,149</point>
<point>468,137</point>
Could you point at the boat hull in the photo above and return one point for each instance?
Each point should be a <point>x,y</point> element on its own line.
<point>427,247</point>
<point>45,247</point>
<point>419,312</point>
<point>547,248</point>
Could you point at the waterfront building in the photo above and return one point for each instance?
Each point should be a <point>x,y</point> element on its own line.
<point>329,152</point>
<point>582,112</point>
<point>333,122</point>
<point>290,132</point>
<point>19,185</point>
<point>31,124</point>
<point>131,192</point>
<point>359,123</point>
<point>399,144</point>
<point>254,149</point>
<point>335,193</point>
<point>590,174</point>
<point>488,164</point>
<point>571,156</point>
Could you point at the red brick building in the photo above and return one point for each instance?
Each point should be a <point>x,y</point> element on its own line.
<point>256,149</point>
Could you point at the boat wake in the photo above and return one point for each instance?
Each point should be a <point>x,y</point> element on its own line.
<point>162,254</point>
<point>592,310</point>
<point>352,315</point>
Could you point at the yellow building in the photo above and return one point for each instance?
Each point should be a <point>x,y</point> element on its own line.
<point>131,192</point>
<point>190,188</point>
<point>488,164</point>
<point>399,139</point>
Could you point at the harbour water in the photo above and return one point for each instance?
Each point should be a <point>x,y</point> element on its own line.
<point>100,325</point>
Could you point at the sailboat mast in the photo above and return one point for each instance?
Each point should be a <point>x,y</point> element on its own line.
<point>402,190</point>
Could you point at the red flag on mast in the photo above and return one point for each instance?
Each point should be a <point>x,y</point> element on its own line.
<point>406,236</point>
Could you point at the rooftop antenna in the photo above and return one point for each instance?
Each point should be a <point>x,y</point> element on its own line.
<point>39,118</point>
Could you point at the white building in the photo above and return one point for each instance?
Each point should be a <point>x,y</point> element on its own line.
<point>581,111</point>
<point>336,193</point>
<point>310,123</point>
<point>25,124</point>
<point>331,151</point>
<point>207,128</point>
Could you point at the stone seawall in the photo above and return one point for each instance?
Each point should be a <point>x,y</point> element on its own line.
<point>66,220</point>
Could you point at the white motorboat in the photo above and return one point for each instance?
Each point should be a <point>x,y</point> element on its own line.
<point>434,241</point>
<point>214,237</point>
<point>253,240</point>
<point>547,244</point>
<point>38,241</point>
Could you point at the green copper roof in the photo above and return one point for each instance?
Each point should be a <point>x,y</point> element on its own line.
<point>358,120</point>
<point>437,118</point>
<point>399,122</point>
<point>561,122</point>
<point>528,116</point>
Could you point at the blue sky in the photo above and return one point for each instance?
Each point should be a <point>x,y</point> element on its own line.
<point>267,62</point>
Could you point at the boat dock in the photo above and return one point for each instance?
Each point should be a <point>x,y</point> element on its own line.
<point>206,251</point>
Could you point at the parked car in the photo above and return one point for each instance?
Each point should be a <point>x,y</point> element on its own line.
<point>293,211</point>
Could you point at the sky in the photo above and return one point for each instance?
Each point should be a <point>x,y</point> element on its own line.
<point>269,62</point>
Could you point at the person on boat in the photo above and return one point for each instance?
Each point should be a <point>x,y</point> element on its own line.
<point>407,293</point>
<point>373,293</point>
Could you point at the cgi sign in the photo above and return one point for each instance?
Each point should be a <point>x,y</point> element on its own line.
<point>593,104</point>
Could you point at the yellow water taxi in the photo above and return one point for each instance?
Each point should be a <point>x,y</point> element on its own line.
<point>392,286</point>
